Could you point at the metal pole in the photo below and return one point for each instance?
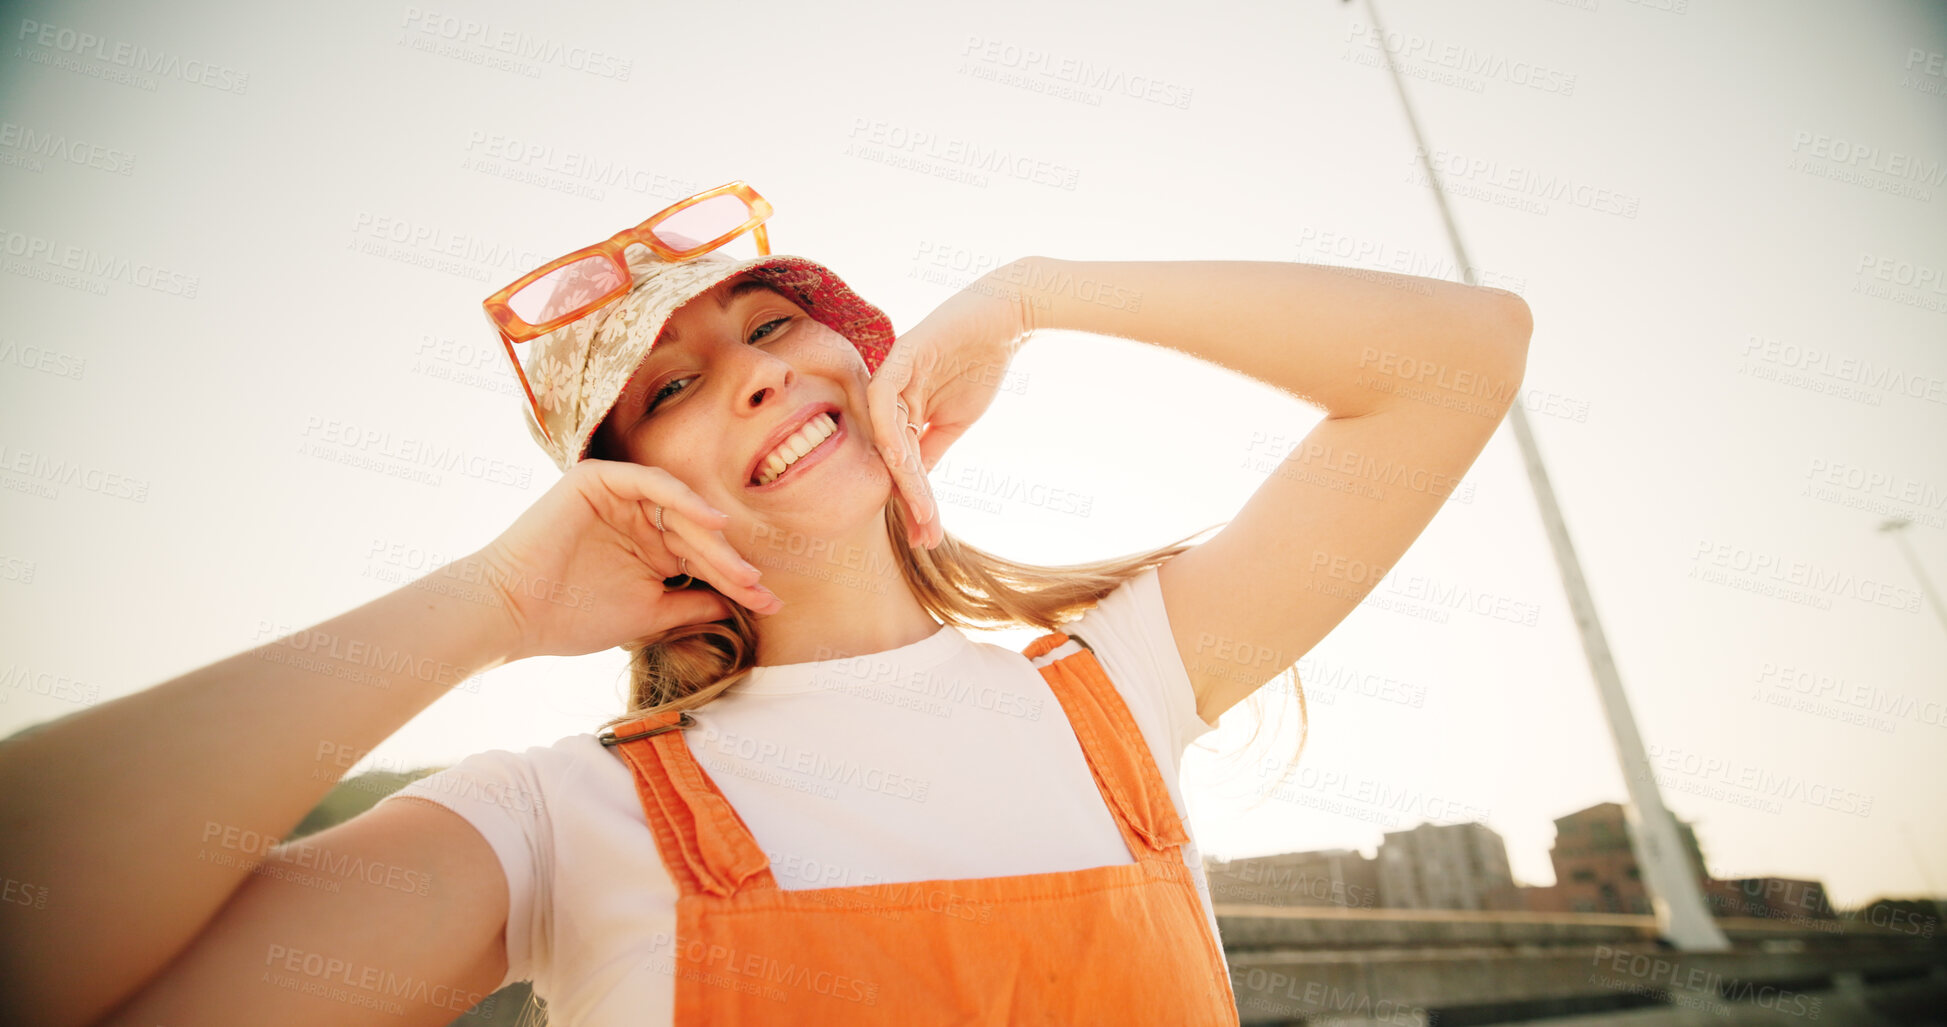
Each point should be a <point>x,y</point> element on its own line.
<point>1675,895</point>
<point>1897,529</point>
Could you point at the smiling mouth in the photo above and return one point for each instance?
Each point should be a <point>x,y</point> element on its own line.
<point>815,452</point>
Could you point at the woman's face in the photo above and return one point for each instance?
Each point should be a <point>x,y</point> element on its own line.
<point>736,371</point>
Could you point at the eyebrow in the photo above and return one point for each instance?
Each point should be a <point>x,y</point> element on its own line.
<point>724,299</point>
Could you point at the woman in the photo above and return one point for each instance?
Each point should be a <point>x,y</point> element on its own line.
<point>823,805</point>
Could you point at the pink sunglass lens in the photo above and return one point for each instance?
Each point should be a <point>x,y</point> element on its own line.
<point>566,289</point>
<point>702,223</point>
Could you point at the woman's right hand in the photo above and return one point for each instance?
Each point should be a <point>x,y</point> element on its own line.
<point>582,570</point>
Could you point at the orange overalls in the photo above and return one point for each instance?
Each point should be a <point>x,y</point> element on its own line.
<point>1123,944</point>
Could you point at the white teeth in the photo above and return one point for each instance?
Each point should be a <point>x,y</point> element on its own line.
<point>797,445</point>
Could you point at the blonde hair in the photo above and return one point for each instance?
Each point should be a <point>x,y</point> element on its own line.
<point>686,667</point>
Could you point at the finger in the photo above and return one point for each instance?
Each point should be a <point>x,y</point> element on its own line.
<point>710,563</point>
<point>685,511</point>
<point>933,445</point>
<point>686,515</point>
<point>695,606</point>
<point>893,450</point>
<point>908,479</point>
<point>881,399</point>
<point>920,488</point>
<point>935,438</point>
<point>754,597</point>
<point>629,480</point>
<point>705,539</point>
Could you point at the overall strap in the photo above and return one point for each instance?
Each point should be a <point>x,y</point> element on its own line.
<point>704,843</point>
<point>1125,771</point>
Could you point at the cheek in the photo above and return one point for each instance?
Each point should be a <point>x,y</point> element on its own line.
<point>830,354</point>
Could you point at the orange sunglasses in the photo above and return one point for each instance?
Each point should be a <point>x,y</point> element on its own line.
<point>569,288</point>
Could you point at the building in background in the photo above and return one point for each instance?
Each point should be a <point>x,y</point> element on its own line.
<point>1595,867</point>
<point>1328,877</point>
<point>1778,898</point>
<point>1465,866</point>
<point>1443,866</point>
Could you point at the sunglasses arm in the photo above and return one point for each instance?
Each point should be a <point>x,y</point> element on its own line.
<point>533,404</point>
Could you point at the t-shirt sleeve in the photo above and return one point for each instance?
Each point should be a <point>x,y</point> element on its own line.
<point>1129,630</point>
<point>498,793</point>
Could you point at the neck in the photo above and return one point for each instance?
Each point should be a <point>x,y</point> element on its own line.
<point>843,596</point>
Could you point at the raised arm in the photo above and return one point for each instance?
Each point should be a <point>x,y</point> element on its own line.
<point>1414,374</point>
<point>137,820</point>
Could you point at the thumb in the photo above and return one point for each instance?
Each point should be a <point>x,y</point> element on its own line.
<point>696,606</point>
<point>933,445</point>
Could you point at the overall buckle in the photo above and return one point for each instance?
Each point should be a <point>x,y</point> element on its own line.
<point>609,738</point>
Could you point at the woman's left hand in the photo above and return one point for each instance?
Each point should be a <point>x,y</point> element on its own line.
<point>941,375</point>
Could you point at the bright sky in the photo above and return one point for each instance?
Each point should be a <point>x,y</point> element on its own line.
<point>1739,290</point>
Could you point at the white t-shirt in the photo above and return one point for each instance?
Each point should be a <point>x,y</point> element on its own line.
<point>946,758</point>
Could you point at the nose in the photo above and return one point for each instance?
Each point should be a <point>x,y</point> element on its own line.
<point>768,378</point>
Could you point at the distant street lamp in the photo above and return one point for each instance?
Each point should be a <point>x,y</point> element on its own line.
<point>1897,528</point>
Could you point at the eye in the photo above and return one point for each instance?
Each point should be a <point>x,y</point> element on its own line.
<point>669,388</point>
<point>774,321</point>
